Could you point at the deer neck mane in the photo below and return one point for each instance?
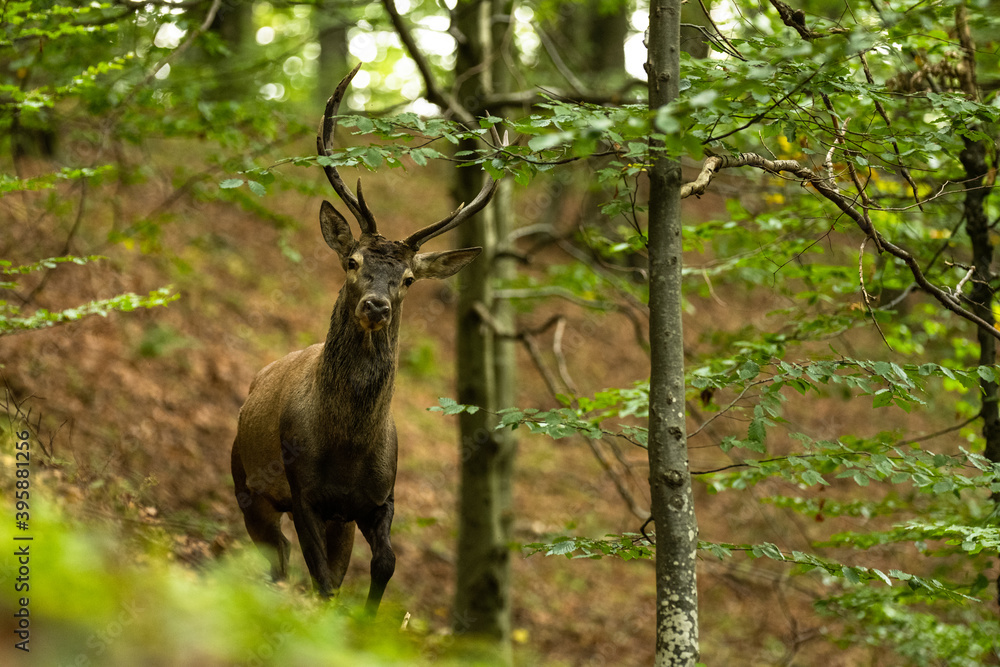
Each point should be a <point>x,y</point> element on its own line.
<point>358,368</point>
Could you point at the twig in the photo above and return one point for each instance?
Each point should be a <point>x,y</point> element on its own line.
<point>725,409</point>
<point>557,350</point>
<point>536,357</point>
<point>434,92</point>
<point>899,443</point>
<point>961,283</point>
<point>885,117</point>
<point>864,292</point>
<point>527,338</point>
<point>81,207</point>
<point>642,529</point>
<point>716,162</point>
<point>766,111</point>
<point>550,48</point>
<point>209,17</point>
<point>616,479</point>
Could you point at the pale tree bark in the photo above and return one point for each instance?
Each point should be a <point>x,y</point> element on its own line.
<point>501,216</point>
<point>672,501</point>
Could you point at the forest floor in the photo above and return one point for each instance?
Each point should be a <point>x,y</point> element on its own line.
<point>138,414</point>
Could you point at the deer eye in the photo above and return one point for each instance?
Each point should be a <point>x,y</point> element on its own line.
<point>408,280</point>
<point>352,264</point>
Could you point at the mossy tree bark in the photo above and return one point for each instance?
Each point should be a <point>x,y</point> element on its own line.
<point>978,227</point>
<point>485,367</point>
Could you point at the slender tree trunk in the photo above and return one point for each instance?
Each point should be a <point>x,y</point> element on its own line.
<point>482,590</point>
<point>234,25</point>
<point>672,501</point>
<point>501,215</point>
<point>332,38</point>
<point>589,37</point>
<point>977,225</point>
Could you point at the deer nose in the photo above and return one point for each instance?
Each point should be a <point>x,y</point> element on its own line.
<point>375,311</point>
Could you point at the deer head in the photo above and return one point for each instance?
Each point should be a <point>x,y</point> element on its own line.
<point>379,271</point>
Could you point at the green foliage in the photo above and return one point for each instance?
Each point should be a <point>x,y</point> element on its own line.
<point>885,617</point>
<point>134,605</point>
<point>12,320</point>
<point>628,546</point>
<point>47,181</point>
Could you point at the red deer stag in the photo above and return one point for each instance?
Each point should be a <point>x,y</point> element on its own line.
<point>316,437</point>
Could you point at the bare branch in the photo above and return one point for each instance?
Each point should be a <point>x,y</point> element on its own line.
<point>796,19</point>
<point>434,92</point>
<point>550,48</point>
<point>620,484</point>
<point>209,17</point>
<point>885,117</point>
<point>864,292</point>
<point>829,191</point>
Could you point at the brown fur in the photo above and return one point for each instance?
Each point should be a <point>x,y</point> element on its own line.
<point>316,436</point>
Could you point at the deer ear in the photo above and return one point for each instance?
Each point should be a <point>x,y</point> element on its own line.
<point>443,264</point>
<point>336,231</point>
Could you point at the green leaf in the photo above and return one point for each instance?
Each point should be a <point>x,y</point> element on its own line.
<point>231,183</point>
<point>543,142</point>
<point>811,477</point>
<point>749,370</point>
<point>882,398</point>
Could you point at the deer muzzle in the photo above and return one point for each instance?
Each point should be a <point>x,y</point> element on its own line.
<point>374,312</point>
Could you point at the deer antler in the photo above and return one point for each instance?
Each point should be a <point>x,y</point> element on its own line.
<point>324,146</point>
<point>463,212</point>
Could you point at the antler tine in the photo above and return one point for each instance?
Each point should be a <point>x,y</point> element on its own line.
<point>458,216</point>
<point>463,212</point>
<point>324,146</point>
<point>364,208</point>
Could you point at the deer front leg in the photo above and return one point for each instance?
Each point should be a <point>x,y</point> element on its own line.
<point>375,528</point>
<point>311,529</point>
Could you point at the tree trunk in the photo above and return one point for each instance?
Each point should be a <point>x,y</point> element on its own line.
<point>234,25</point>
<point>332,37</point>
<point>672,501</point>
<point>590,40</point>
<point>501,215</point>
<point>484,370</point>
<point>977,225</point>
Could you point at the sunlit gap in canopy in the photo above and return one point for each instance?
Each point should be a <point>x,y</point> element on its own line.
<point>394,72</point>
